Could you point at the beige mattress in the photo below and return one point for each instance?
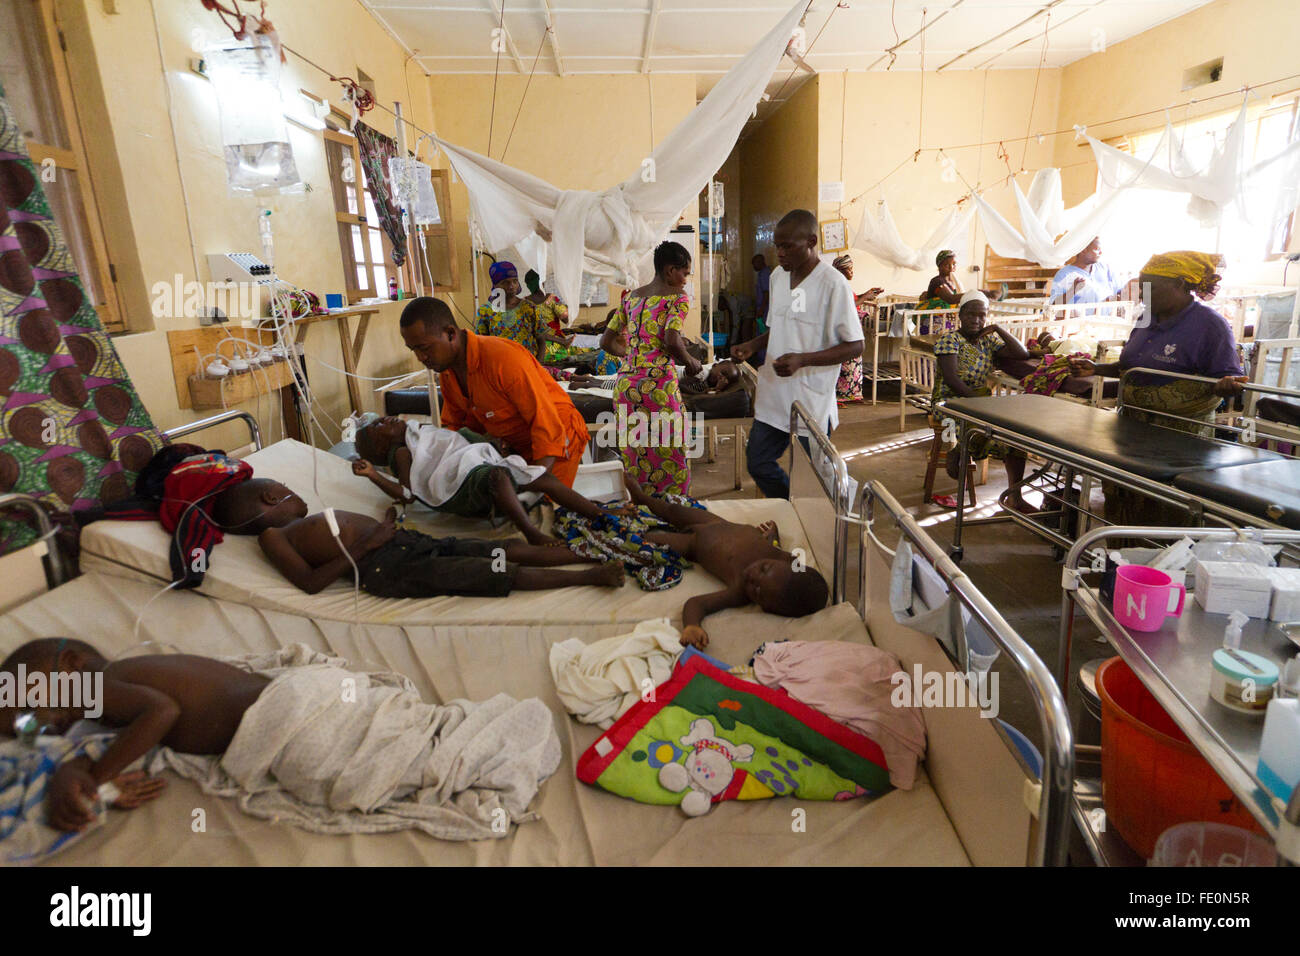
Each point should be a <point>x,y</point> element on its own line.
<point>240,573</point>
<point>579,824</point>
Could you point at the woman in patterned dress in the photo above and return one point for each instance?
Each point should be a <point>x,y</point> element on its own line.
<point>552,322</point>
<point>965,359</point>
<point>848,387</point>
<point>647,333</point>
<point>509,316</point>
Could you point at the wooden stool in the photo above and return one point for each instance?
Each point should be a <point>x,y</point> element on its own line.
<point>932,466</point>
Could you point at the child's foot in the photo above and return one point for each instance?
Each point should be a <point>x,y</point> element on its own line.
<point>609,575</point>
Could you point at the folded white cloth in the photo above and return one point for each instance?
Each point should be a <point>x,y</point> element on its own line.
<point>339,751</point>
<point>599,682</point>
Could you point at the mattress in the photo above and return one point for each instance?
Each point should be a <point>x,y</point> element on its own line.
<point>1140,448</point>
<point>579,824</point>
<point>240,573</point>
<point>1268,490</point>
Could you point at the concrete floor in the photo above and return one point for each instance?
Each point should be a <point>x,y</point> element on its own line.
<point>1014,569</point>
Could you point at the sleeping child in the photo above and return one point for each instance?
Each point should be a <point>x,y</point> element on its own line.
<point>461,473</point>
<point>722,377</point>
<point>296,736</point>
<point>400,563</point>
<point>746,559</point>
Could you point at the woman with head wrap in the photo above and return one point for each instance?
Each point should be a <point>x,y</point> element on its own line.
<point>965,357</point>
<point>848,387</point>
<point>1175,334</point>
<point>507,315</point>
<point>944,291</point>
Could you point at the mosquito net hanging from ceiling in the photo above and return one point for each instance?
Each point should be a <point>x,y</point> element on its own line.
<point>878,235</point>
<point>612,233</point>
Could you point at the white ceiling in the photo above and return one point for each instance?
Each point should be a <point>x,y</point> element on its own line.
<point>706,37</point>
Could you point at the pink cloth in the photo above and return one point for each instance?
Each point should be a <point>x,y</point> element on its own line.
<point>851,684</point>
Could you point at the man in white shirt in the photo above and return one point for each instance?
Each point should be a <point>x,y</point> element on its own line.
<point>1086,278</point>
<point>812,329</point>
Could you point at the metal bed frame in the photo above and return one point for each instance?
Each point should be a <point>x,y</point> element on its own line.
<point>1078,465</point>
<point>1050,837</point>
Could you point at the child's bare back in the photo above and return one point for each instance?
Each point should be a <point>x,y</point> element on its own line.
<point>744,558</point>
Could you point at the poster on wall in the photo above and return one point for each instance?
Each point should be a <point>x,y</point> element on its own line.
<point>834,235</point>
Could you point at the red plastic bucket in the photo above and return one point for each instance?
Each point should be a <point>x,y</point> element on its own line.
<point>1151,776</point>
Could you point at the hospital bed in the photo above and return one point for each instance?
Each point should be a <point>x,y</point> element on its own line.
<point>239,572</point>
<point>1211,480</point>
<point>975,801</point>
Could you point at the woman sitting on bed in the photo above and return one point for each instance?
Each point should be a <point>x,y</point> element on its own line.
<point>965,359</point>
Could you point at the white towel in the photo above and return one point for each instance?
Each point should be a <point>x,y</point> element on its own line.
<point>442,459</point>
<point>600,682</point>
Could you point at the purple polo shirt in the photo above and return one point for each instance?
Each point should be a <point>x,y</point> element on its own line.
<point>1197,342</point>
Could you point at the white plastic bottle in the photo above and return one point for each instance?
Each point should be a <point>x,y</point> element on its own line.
<point>1279,750</point>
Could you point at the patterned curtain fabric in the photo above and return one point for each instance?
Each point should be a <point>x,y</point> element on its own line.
<point>73,432</point>
<point>376,150</point>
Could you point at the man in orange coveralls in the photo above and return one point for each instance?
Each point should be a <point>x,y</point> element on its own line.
<point>497,388</point>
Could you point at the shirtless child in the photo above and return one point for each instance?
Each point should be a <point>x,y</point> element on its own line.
<point>400,563</point>
<point>388,442</point>
<point>190,704</point>
<point>744,558</point>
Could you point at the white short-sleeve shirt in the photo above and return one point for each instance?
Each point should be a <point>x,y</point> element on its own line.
<point>819,313</point>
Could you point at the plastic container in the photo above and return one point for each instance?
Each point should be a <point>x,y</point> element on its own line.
<point>1152,778</point>
<point>1242,681</point>
<point>1279,748</point>
<point>1212,844</point>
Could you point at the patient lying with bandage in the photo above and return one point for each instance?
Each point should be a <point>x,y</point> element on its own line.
<point>459,472</point>
<point>297,736</point>
<point>746,559</point>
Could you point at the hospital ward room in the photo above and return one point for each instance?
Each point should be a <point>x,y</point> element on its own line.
<point>641,433</point>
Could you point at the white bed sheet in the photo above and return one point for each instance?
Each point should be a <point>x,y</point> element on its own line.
<point>239,571</point>
<point>579,824</point>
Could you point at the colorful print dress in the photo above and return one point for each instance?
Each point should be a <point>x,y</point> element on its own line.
<point>519,324</point>
<point>648,384</point>
<point>848,387</point>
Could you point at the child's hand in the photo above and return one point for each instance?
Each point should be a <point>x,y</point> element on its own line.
<point>137,788</point>
<point>70,800</point>
<point>695,636</point>
<point>362,468</point>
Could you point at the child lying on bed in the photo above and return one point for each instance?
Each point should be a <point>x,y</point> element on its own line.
<point>746,559</point>
<point>306,740</point>
<point>721,378</point>
<point>461,473</point>
<point>407,564</point>
<point>191,704</point>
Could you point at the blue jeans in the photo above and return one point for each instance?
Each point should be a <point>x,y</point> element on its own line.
<point>765,447</point>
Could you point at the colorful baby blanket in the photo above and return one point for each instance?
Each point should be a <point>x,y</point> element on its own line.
<point>614,537</point>
<point>707,736</point>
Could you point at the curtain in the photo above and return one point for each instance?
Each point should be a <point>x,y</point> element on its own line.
<point>376,150</point>
<point>73,432</point>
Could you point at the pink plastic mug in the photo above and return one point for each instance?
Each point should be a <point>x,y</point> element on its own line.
<point>1145,596</point>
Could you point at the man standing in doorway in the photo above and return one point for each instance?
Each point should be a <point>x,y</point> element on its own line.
<point>812,329</point>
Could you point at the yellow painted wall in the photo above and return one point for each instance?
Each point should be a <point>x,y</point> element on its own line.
<point>1257,40</point>
<point>575,132</point>
<point>880,112</point>
<point>117,66</point>
<point>778,172</point>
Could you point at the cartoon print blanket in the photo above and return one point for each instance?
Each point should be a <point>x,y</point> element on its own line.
<point>708,736</point>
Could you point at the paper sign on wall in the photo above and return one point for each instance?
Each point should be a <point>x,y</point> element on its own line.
<point>831,192</point>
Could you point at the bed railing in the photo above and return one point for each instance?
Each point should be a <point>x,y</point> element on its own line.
<point>1050,838</point>
<point>189,428</point>
<point>1247,431</point>
<point>56,573</point>
<point>832,475</point>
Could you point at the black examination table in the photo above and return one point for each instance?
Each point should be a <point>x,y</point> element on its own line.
<point>1236,483</point>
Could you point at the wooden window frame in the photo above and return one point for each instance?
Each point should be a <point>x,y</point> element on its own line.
<point>73,159</point>
<point>347,220</point>
<point>441,233</point>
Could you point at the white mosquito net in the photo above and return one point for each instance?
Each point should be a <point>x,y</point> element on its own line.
<point>613,233</point>
<point>878,235</point>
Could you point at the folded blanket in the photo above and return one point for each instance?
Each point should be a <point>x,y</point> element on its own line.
<point>597,683</point>
<point>338,751</point>
<point>25,773</point>
<point>852,684</point>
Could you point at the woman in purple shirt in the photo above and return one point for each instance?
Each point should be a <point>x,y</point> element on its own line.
<point>1181,335</point>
